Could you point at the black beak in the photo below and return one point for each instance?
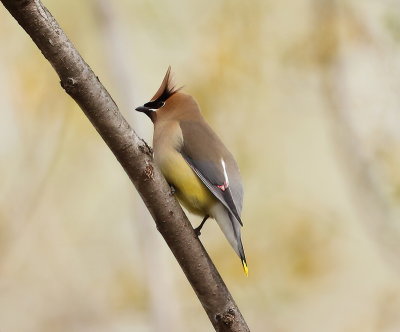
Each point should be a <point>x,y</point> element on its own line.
<point>150,113</point>
<point>142,109</point>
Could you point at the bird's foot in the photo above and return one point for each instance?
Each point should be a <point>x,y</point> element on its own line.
<point>197,231</point>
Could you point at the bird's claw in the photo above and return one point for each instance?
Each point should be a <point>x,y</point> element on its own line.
<point>197,231</point>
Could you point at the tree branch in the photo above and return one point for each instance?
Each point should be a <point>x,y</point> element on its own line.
<point>79,81</point>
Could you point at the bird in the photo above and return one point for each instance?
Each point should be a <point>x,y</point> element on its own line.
<point>194,161</point>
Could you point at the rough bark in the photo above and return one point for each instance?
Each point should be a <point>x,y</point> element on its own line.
<point>80,82</point>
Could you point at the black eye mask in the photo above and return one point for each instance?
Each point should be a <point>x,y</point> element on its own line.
<point>154,105</point>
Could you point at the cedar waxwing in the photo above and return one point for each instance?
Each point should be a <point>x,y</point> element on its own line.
<point>195,162</point>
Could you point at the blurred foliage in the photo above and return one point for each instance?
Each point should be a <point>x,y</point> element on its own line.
<point>279,81</point>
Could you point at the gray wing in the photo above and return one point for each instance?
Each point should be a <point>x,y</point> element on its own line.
<point>204,152</point>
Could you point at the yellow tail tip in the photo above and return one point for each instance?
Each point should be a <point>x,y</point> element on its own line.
<point>245,268</point>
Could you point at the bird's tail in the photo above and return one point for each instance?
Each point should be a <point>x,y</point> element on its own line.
<point>230,226</point>
<point>243,257</point>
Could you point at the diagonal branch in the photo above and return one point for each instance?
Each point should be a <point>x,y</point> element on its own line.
<point>79,81</point>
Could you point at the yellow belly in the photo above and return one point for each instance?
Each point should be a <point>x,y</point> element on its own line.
<point>191,192</point>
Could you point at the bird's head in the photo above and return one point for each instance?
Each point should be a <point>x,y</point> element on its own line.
<point>160,99</point>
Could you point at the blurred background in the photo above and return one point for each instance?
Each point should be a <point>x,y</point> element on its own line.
<point>304,93</point>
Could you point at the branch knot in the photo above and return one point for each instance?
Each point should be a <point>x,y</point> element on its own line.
<point>69,84</point>
<point>227,318</point>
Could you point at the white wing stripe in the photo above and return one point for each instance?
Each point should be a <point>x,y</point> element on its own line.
<point>225,173</point>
